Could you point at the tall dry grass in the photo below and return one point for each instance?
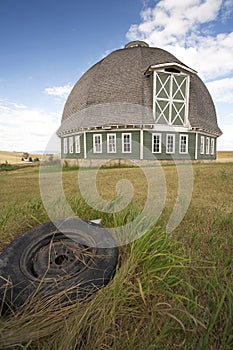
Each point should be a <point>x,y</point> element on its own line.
<point>170,291</point>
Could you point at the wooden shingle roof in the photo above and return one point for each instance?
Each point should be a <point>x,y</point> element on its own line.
<point>116,91</point>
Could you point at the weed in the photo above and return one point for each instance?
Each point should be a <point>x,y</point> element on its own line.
<point>169,292</point>
<point>9,167</point>
<point>223,174</point>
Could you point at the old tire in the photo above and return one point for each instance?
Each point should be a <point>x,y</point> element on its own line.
<point>71,256</point>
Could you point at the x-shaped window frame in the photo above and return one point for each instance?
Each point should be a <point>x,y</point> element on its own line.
<point>170,98</point>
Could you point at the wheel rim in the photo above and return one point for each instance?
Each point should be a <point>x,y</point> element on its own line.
<point>56,257</point>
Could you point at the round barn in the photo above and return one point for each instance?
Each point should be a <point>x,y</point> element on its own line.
<point>141,103</point>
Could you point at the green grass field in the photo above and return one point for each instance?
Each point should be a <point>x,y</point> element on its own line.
<point>170,291</point>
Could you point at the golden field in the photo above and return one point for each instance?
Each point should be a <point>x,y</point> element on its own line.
<point>15,157</point>
<point>225,156</point>
<point>171,290</point>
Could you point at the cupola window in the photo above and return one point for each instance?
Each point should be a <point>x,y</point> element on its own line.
<point>172,70</point>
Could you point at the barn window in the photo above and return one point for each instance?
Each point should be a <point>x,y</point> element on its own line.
<point>156,143</point>
<point>170,143</point>
<point>171,98</point>
<point>71,145</point>
<point>111,143</point>
<point>97,143</point>
<point>126,143</point>
<point>207,145</point>
<point>172,70</point>
<point>65,145</point>
<point>212,146</point>
<point>202,145</point>
<point>183,144</point>
<point>77,144</point>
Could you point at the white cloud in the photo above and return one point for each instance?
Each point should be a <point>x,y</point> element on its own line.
<point>225,117</point>
<point>185,28</point>
<point>171,20</point>
<point>227,10</point>
<point>59,91</point>
<point>225,142</point>
<point>221,90</point>
<point>25,129</point>
<point>189,30</point>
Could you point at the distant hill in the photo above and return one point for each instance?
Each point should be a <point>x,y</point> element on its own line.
<point>15,157</point>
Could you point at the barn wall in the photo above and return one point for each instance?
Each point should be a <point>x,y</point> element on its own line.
<point>73,155</point>
<point>135,145</point>
<point>163,155</point>
<point>147,148</point>
<point>206,155</point>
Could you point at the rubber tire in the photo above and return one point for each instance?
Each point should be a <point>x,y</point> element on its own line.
<point>28,265</point>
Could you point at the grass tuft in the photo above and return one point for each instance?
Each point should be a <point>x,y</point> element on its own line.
<point>170,291</point>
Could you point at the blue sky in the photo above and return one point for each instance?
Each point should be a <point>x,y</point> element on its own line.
<point>46,45</point>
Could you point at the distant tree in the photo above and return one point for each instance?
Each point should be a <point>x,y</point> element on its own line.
<point>25,155</point>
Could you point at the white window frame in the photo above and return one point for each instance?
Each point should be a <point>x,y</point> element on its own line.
<point>174,140</point>
<point>109,145</point>
<point>65,145</point>
<point>186,144</point>
<point>123,142</point>
<point>77,143</point>
<point>202,145</point>
<point>212,146</point>
<point>71,144</point>
<point>159,136</point>
<point>171,99</point>
<point>95,150</point>
<point>207,145</point>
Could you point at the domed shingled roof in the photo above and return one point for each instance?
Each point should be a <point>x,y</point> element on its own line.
<point>105,94</point>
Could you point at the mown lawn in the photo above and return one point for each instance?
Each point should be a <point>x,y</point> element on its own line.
<point>170,291</point>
